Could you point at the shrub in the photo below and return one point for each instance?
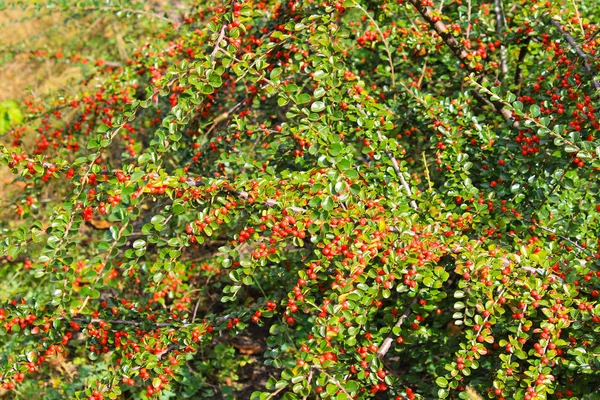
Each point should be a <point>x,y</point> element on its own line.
<point>395,199</point>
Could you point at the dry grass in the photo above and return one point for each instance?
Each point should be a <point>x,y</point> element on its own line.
<point>24,29</point>
<point>21,76</point>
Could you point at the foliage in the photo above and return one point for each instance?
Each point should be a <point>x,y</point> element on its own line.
<point>400,198</point>
<point>9,115</point>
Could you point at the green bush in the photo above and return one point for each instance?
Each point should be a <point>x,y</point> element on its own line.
<point>384,199</point>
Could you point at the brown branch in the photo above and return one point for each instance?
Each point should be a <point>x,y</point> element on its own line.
<point>308,382</point>
<point>126,322</point>
<point>518,71</point>
<point>217,43</point>
<point>387,343</point>
<point>132,11</point>
<point>440,28</point>
<point>275,393</point>
<point>396,168</point>
<point>552,231</point>
<point>385,43</point>
<point>499,25</point>
<point>578,50</point>
<point>593,36</point>
<point>334,381</point>
<point>138,323</point>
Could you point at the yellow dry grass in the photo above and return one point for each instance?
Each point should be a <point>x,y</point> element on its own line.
<point>21,77</point>
<point>27,28</point>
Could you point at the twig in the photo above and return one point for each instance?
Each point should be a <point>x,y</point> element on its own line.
<point>198,302</point>
<point>499,25</point>
<point>275,393</point>
<point>422,74</point>
<point>387,343</point>
<point>224,116</point>
<point>518,71</point>
<point>335,381</point>
<point>385,43</point>
<point>217,43</point>
<point>125,322</point>
<point>578,17</point>
<point>396,168</point>
<point>427,171</point>
<point>561,236</point>
<point>593,36</point>
<point>578,50</point>
<point>460,52</point>
<point>308,381</point>
<point>469,7</point>
<point>517,333</point>
<point>133,11</point>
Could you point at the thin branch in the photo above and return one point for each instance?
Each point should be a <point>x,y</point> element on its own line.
<point>499,25</point>
<point>198,302</point>
<point>308,381</point>
<point>593,36</point>
<point>385,43</point>
<point>566,239</point>
<point>334,381</point>
<point>469,7</point>
<point>132,11</point>
<point>387,343</point>
<point>396,168</point>
<point>217,43</point>
<point>275,393</point>
<point>578,17</point>
<point>440,28</point>
<point>423,71</point>
<point>125,322</point>
<point>578,50</point>
<point>224,116</point>
<point>519,71</point>
<point>427,171</point>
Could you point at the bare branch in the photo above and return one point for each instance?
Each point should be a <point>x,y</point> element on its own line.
<point>578,50</point>
<point>499,25</point>
<point>387,343</point>
<point>521,59</point>
<point>440,28</point>
<point>385,43</point>
<point>218,43</point>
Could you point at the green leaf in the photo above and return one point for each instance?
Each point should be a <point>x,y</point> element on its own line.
<point>275,73</point>
<point>215,80</point>
<point>317,106</point>
<point>327,204</point>
<point>303,98</point>
<point>534,110</point>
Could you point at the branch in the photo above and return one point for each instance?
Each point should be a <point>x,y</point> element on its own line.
<point>499,25</point>
<point>308,381</point>
<point>132,11</point>
<point>552,231</point>
<point>125,322</point>
<point>334,381</point>
<point>217,43</point>
<point>578,50</point>
<point>518,71</point>
<point>385,43</point>
<point>396,168</point>
<point>440,28</point>
<point>387,343</point>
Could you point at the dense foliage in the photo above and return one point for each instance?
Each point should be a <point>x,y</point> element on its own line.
<point>394,199</point>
